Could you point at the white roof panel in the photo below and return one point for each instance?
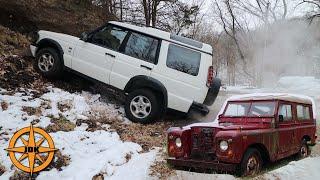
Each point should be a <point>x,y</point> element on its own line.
<point>161,35</point>
<point>273,96</point>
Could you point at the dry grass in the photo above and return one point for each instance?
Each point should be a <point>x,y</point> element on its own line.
<point>32,111</point>
<point>60,124</point>
<point>2,169</point>
<point>64,106</point>
<point>98,177</point>
<point>148,136</point>
<point>20,175</point>
<point>161,168</point>
<point>12,42</point>
<point>59,162</point>
<point>4,105</point>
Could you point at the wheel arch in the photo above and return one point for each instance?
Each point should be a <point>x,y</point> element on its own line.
<point>46,42</point>
<point>306,137</point>
<point>262,149</point>
<point>141,81</point>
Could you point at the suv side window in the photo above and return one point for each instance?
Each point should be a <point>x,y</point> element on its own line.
<point>142,47</point>
<point>183,59</point>
<point>110,37</point>
<point>303,112</point>
<point>286,111</point>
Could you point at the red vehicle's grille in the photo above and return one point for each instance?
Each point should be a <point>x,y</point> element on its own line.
<point>202,143</point>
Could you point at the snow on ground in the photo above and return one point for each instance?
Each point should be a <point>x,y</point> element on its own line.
<point>303,169</point>
<point>91,153</point>
<point>97,152</point>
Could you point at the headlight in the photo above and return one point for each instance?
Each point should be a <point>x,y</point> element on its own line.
<point>178,143</point>
<point>224,145</point>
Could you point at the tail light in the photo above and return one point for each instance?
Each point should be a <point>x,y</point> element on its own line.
<point>210,76</point>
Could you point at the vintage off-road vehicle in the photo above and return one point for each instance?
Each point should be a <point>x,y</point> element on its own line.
<point>250,131</point>
<point>155,69</point>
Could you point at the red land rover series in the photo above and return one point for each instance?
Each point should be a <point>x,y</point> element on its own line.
<point>250,131</point>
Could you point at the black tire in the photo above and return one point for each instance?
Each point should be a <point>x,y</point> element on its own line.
<point>154,111</point>
<point>251,163</point>
<point>304,150</point>
<point>55,69</point>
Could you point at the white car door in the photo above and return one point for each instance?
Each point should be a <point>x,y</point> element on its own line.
<point>138,56</point>
<point>96,57</point>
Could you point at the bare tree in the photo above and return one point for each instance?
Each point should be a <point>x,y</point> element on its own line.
<point>231,26</point>
<point>316,12</point>
<point>264,10</point>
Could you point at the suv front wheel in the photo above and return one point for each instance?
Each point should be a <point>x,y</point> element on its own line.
<point>49,63</point>
<point>142,106</point>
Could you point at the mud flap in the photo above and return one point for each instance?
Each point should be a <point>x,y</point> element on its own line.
<point>213,92</point>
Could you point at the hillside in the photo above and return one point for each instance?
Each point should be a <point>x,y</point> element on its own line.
<point>69,16</point>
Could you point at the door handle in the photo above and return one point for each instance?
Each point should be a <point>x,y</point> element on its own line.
<point>111,55</point>
<point>146,67</point>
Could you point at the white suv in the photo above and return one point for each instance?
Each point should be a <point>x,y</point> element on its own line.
<point>155,69</point>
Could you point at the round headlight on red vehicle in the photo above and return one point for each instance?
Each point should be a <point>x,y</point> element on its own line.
<point>224,145</point>
<point>178,142</point>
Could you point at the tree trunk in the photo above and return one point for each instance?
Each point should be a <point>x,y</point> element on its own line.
<point>146,11</point>
<point>154,12</point>
<point>121,10</point>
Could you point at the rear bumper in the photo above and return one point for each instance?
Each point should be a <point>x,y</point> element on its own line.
<point>203,109</point>
<point>214,165</point>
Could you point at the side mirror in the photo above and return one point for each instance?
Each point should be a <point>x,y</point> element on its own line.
<point>84,37</point>
<point>281,118</point>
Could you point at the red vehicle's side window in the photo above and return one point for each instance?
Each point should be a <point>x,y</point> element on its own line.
<point>285,112</point>
<point>303,112</point>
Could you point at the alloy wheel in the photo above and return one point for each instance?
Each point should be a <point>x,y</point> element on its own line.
<point>140,107</point>
<point>45,62</point>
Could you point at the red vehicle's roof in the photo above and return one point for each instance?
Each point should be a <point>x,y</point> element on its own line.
<point>273,96</point>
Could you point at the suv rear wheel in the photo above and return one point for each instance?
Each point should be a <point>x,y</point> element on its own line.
<point>142,106</point>
<point>251,163</point>
<point>48,63</point>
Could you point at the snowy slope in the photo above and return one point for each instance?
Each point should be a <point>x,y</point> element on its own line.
<point>91,153</point>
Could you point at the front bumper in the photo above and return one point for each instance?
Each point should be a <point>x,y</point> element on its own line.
<point>214,165</point>
<point>33,50</point>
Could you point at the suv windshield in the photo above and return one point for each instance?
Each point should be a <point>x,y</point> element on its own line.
<point>254,109</point>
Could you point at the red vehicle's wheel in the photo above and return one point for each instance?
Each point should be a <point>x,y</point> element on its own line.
<point>304,150</point>
<point>251,163</point>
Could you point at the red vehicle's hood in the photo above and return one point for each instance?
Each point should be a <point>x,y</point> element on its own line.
<point>230,125</point>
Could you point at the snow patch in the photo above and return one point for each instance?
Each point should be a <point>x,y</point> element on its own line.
<point>91,153</point>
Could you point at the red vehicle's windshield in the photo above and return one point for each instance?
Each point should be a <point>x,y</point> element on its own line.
<point>251,109</point>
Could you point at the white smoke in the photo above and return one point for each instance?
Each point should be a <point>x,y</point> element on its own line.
<point>289,48</point>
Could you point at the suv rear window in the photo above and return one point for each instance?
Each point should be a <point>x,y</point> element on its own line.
<point>142,47</point>
<point>183,59</point>
<point>303,112</point>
